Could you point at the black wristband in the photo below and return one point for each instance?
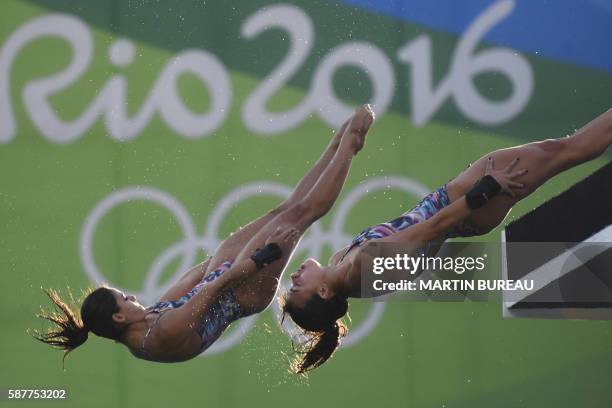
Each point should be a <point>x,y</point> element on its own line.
<point>267,255</point>
<point>482,191</point>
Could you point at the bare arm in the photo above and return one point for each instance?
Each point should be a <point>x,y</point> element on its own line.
<point>177,330</point>
<point>421,233</point>
<point>445,219</point>
<point>179,325</point>
<point>411,240</point>
<point>408,241</point>
<point>186,282</point>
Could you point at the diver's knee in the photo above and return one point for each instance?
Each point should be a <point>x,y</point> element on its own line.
<point>300,211</point>
<point>556,152</point>
<point>552,146</point>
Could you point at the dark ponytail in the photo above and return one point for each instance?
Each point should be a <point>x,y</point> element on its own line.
<point>70,332</point>
<point>72,328</point>
<point>320,319</point>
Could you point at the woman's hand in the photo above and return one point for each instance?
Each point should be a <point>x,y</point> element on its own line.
<point>506,177</point>
<point>284,237</point>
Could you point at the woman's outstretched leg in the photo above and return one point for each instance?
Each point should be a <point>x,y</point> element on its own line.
<point>543,160</point>
<point>257,292</point>
<point>234,243</point>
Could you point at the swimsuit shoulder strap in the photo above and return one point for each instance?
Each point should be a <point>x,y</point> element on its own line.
<point>143,348</point>
<point>357,241</point>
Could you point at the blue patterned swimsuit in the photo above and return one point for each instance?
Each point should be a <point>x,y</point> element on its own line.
<point>425,209</point>
<point>223,312</point>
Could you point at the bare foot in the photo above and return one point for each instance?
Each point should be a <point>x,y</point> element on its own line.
<point>358,127</point>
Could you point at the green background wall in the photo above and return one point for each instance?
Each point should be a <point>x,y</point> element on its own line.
<point>419,355</point>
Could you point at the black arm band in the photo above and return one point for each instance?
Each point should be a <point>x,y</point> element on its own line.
<point>485,189</point>
<point>267,255</point>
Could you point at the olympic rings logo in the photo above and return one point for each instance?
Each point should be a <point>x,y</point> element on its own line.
<point>312,244</point>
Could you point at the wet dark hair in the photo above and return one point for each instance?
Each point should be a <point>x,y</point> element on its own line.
<point>71,328</point>
<point>321,320</point>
